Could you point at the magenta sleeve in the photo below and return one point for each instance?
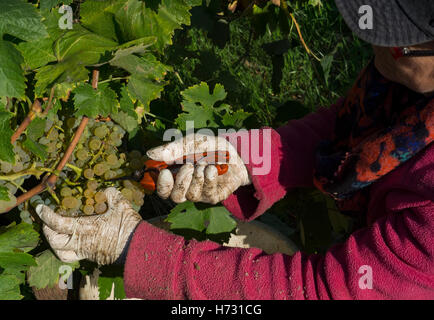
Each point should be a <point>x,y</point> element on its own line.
<point>392,259</point>
<point>290,150</point>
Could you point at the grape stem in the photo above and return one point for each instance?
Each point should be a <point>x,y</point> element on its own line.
<point>35,109</point>
<point>97,155</point>
<point>71,183</point>
<point>50,181</point>
<point>53,195</point>
<point>18,186</point>
<point>76,169</point>
<point>32,171</point>
<point>158,117</point>
<point>113,79</point>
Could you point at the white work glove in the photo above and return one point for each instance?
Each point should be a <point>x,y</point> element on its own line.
<point>99,238</point>
<point>200,182</point>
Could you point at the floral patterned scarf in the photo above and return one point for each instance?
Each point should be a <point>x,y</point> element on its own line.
<point>380,126</point>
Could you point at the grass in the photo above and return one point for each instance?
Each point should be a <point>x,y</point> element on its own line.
<point>246,69</point>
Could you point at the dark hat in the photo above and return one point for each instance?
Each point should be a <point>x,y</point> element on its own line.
<point>395,23</point>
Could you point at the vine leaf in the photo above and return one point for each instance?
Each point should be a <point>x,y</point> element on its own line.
<point>147,76</point>
<point>10,287</point>
<point>201,94</point>
<point>34,131</point>
<point>235,119</point>
<point>37,54</point>
<point>36,128</point>
<point>74,50</point>
<point>49,4</point>
<point>15,239</point>
<point>198,106</point>
<point>36,148</point>
<point>46,273</point>
<point>111,279</point>
<point>93,103</point>
<point>18,261</point>
<point>136,20</point>
<point>97,17</point>
<point>220,220</point>
<point>12,80</point>
<point>214,220</point>
<point>21,236</point>
<point>40,52</point>
<point>6,149</point>
<point>126,117</point>
<point>21,19</point>
<point>186,216</point>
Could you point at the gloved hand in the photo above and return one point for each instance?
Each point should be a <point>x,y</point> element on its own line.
<point>199,182</point>
<point>99,238</point>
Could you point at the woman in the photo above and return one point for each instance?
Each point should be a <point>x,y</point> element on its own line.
<point>372,152</point>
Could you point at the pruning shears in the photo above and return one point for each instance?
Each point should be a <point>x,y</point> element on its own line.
<point>148,176</point>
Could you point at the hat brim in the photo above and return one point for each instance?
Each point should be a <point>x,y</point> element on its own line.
<point>391,26</point>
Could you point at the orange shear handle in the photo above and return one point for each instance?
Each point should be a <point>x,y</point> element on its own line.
<point>153,168</point>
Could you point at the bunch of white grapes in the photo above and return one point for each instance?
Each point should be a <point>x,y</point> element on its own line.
<point>52,138</point>
<point>95,161</point>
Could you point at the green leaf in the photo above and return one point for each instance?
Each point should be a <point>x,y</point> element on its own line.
<point>235,119</point>
<point>21,236</point>
<point>147,76</point>
<point>111,276</point>
<point>12,80</point>
<point>40,52</point>
<point>220,221</point>
<point>36,148</point>
<point>36,128</point>
<point>21,19</point>
<point>49,4</point>
<point>326,64</point>
<point>96,16</point>
<point>46,273</point>
<point>6,147</point>
<point>198,106</point>
<point>74,51</point>
<point>16,260</point>
<point>214,220</point>
<point>147,67</point>
<point>127,117</point>
<point>137,20</point>
<point>92,103</point>
<point>10,288</point>
<point>37,54</point>
<point>201,94</point>
<point>186,216</point>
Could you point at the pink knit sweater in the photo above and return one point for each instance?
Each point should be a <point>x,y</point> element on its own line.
<point>397,247</point>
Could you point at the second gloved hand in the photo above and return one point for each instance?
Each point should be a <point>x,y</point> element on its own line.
<point>99,238</point>
<point>200,182</point>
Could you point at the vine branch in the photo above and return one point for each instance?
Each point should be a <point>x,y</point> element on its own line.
<point>36,108</point>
